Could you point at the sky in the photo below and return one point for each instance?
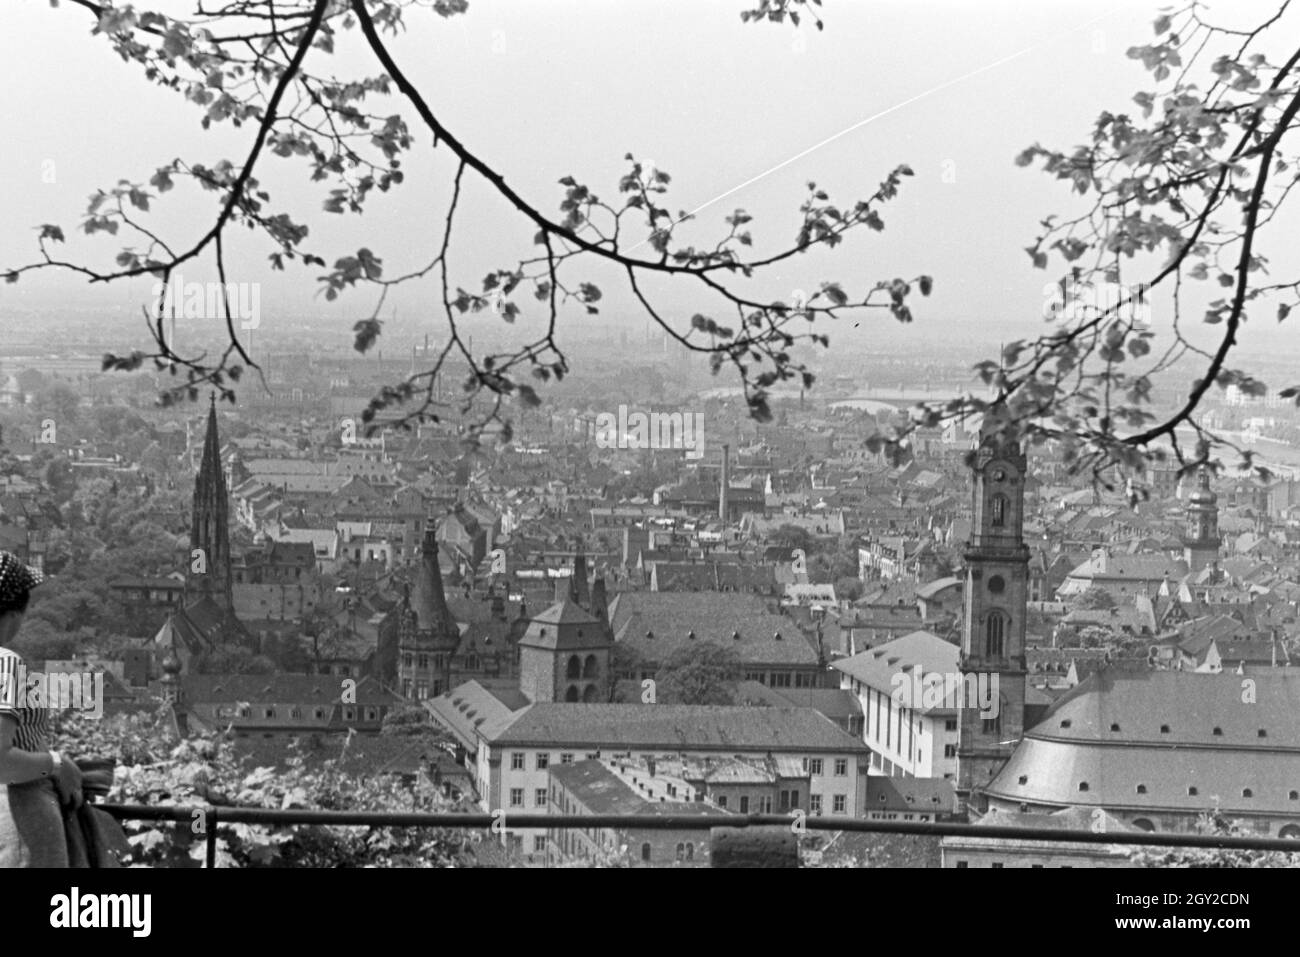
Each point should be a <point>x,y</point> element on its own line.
<point>542,90</point>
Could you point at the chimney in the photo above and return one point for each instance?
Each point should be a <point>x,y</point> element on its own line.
<point>724,484</point>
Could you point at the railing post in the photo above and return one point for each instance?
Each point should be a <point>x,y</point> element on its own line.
<point>761,846</point>
<point>210,820</point>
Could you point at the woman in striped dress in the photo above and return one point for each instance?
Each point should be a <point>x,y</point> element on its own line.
<point>39,780</point>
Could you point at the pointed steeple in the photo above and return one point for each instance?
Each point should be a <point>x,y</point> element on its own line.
<point>579,592</point>
<point>430,603</point>
<point>209,567</point>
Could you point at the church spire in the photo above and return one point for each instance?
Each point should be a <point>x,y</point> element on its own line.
<point>579,592</point>
<point>209,568</point>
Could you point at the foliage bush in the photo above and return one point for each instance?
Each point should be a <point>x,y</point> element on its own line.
<point>154,767</point>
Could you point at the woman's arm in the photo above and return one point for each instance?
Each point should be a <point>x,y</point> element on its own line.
<point>16,765</point>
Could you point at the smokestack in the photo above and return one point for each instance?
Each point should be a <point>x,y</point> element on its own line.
<point>724,485</point>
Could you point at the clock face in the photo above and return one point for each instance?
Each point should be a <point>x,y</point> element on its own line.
<point>999,475</point>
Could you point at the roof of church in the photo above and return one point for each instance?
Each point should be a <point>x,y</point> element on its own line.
<point>1103,740</point>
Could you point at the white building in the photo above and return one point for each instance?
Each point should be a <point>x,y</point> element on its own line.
<point>906,738</point>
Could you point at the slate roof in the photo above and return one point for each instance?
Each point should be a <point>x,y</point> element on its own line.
<point>712,616</point>
<point>473,709</point>
<point>877,667</point>
<point>1075,742</point>
<point>676,727</point>
<point>281,689</point>
<point>911,795</point>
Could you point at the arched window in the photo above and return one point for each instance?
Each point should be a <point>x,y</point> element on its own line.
<point>681,852</point>
<point>995,629</point>
<point>690,851</point>
<point>589,694</point>
<point>998,511</point>
<point>1142,824</point>
<point>992,725</point>
<point>591,668</point>
<point>645,851</point>
<point>571,695</point>
<point>575,667</point>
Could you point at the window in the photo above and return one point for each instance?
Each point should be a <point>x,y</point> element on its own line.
<point>539,798</point>
<point>950,724</point>
<point>1142,789</point>
<point>349,714</point>
<point>543,762</point>
<point>681,851</point>
<point>950,750</point>
<point>566,759</point>
<point>841,767</point>
<point>992,725</point>
<point>1247,793</point>
<point>998,511</point>
<point>690,850</point>
<point>744,804</point>
<point>996,864</point>
<point>994,631</point>
<point>645,851</point>
<point>722,801</point>
<point>815,802</point>
<point>837,805</point>
<point>423,661</point>
<point>1218,732</point>
<point>517,761</point>
<point>270,712</point>
<point>963,864</point>
<point>516,797</point>
<point>815,766</point>
<point>539,844</point>
<point>1083,785</point>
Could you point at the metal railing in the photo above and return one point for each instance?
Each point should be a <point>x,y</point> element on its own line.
<point>215,815</point>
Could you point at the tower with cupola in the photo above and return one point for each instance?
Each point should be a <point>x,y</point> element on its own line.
<point>1201,537</point>
<point>996,593</point>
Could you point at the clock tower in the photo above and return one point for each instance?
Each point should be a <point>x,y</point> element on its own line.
<point>992,659</point>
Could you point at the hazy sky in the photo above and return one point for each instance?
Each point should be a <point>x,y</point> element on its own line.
<point>547,88</point>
